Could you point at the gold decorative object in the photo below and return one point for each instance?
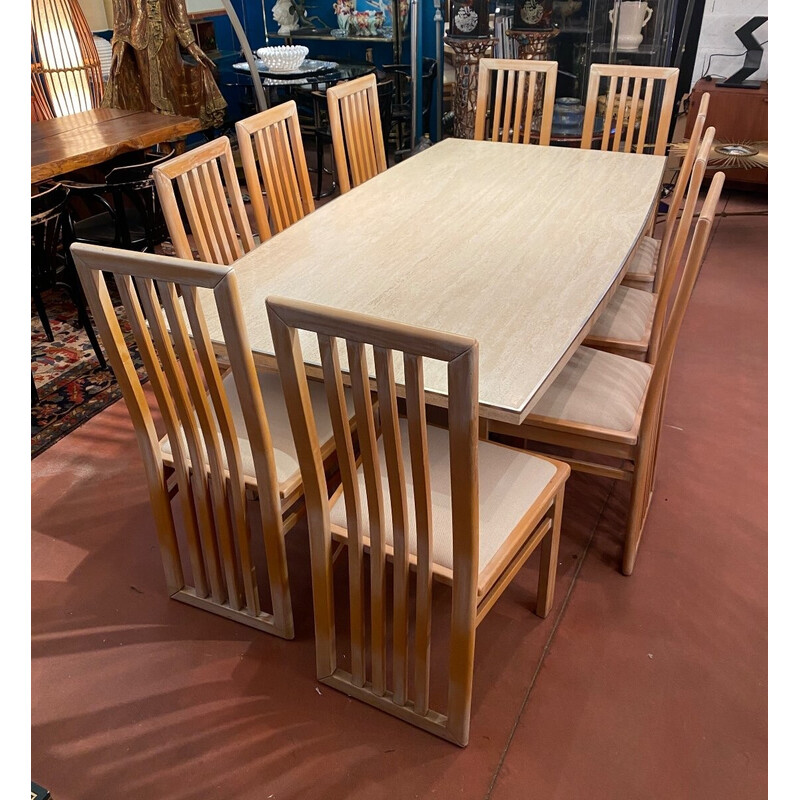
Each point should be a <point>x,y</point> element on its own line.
<point>727,154</point>
<point>147,71</point>
<point>466,55</point>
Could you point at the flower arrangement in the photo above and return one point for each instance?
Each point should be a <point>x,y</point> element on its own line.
<point>343,7</point>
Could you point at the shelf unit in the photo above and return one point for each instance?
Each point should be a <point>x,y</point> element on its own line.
<point>588,36</point>
<point>396,39</point>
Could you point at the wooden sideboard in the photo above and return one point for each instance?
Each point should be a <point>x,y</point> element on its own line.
<point>739,115</point>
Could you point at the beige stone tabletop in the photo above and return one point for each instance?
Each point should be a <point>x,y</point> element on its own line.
<point>518,246</point>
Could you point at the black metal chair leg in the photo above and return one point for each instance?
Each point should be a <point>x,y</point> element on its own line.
<point>42,312</point>
<point>79,302</point>
<point>320,167</point>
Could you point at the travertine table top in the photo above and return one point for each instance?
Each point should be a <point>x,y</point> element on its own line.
<point>518,246</point>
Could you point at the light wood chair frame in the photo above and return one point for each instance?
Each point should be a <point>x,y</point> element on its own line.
<point>358,146</point>
<point>215,211</point>
<point>653,282</point>
<point>187,383</point>
<point>627,82</point>
<point>540,526</point>
<point>648,347</point>
<point>521,85</point>
<point>638,447</point>
<point>274,163</point>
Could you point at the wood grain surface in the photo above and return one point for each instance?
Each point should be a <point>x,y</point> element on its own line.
<point>91,137</point>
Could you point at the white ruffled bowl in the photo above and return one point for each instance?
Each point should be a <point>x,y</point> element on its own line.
<point>283,58</point>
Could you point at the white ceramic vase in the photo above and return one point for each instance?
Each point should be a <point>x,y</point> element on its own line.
<point>627,25</point>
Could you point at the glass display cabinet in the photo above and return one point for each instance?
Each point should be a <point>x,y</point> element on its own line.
<point>609,32</point>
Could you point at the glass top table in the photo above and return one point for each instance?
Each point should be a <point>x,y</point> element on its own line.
<point>313,73</point>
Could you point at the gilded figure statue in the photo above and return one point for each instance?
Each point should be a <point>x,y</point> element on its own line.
<point>147,68</point>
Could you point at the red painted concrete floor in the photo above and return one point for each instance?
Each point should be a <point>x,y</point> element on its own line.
<point>652,686</point>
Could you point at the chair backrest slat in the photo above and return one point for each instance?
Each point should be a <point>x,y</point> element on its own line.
<point>402,444</point>
<point>212,200</point>
<point>423,517</point>
<point>355,120</point>
<point>334,388</point>
<point>393,452</point>
<point>522,88</point>
<point>274,138</point>
<point>160,299</point>
<point>678,242</point>
<point>631,88</point>
<point>373,483</point>
<point>694,261</point>
<point>679,190</point>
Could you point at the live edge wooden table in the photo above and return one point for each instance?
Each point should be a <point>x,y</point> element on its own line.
<point>518,246</point>
<point>90,137</point>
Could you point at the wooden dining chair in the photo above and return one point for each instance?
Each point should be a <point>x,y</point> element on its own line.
<point>649,260</point>
<point>632,322</point>
<point>354,115</point>
<point>274,162</point>
<point>636,107</point>
<point>234,424</point>
<point>523,89</point>
<point>431,500</point>
<point>215,210</point>
<point>604,407</point>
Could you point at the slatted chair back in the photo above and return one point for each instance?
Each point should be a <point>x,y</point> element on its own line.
<point>679,190</point>
<point>214,209</point>
<point>524,92</point>
<point>274,163</point>
<point>64,57</point>
<point>386,345</point>
<point>656,392</point>
<point>355,118</point>
<point>631,89</point>
<point>48,222</point>
<point>678,242</point>
<point>161,303</point>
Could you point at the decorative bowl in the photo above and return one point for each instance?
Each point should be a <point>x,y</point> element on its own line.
<point>284,58</point>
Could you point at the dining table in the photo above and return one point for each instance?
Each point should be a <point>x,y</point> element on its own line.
<point>74,141</point>
<point>518,246</point>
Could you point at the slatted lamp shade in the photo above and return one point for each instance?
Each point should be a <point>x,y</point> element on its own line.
<point>64,58</point>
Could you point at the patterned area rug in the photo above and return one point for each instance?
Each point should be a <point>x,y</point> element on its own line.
<point>72,386</point>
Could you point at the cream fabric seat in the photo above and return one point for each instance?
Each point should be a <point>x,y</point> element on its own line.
<point>597,389</point>
<point>286,463</point>
<point>641,273</point>
<point>628,317</point>
<point>509,479</point>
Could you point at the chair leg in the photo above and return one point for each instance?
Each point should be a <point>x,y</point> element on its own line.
<point>641,493</point>
<point>548,563</point>
<point>42,312</point>
<point>320,168</point>
<point>79,302</point>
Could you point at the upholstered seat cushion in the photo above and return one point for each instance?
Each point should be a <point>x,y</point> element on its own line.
<point>628,317</point>
<point>643,263</point>
<point>598,389</point>
<point>510,483</point>
<point>286,463</point>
